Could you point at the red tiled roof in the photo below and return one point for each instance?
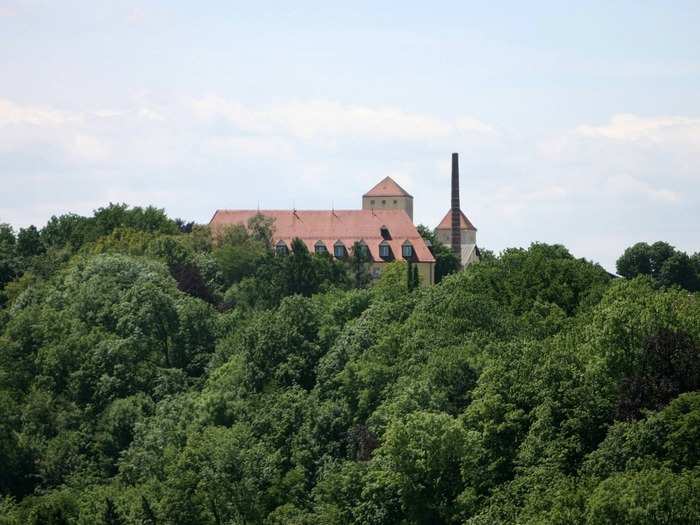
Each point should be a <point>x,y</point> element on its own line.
<point>464,222</point>
<point>387,188</point>
<point>327,226</point>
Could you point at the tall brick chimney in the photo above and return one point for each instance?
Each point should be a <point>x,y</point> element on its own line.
<point>456,236</point>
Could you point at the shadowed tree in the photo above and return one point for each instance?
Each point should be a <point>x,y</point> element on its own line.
<point>670,366</point>
<point>446,262</point>
<point>29,242</point>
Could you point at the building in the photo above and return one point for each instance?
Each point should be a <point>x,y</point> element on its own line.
<point>388,195</point>
<point>383,227</point>
<point>387,235</point>
<point>455,229</point>
<point>468,251</point>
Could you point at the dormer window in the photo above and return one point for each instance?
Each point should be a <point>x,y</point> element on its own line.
<point>339,250</point>
<point>281,248</point>
<point>362,249</point>
<point>384,251</point>
<point>407,251</point>
<point>384,231</point>
<point>320,248</point>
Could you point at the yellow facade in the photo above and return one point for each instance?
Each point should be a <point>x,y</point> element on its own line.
<point>426,271</point>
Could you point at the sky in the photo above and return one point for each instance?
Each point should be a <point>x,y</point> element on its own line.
<point>576,123</point>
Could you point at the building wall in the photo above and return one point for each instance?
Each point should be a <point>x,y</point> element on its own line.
<point>467,237</point>
<point>389,203</point>
<point>426,271</point>
<point>444,237</point>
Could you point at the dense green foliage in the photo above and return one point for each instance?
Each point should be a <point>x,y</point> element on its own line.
<point>152,374</point>
<point>663,263</point>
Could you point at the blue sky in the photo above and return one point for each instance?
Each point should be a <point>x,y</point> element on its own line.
<point>575,124</point>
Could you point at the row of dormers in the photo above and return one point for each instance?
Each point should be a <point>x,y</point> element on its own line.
<point>340,250</point>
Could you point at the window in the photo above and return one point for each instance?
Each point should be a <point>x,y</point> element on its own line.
<point>384,232</point>
<point>372,202</point>
<point>362,250</point>
<point>383,202</point>
<point>395,201</point>
<point>321,248</point>
<point>339,251</point>
<point>384,250</point>
<point>407,251</point>
<point>281,249</point>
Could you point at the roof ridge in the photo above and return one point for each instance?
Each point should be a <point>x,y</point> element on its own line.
<point>387,187</point>
<point>287,210</point>
<point>465,223</point>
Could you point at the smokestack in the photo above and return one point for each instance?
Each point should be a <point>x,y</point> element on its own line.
<point>456,236</point>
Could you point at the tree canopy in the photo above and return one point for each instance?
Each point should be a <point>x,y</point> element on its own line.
<point>663,263</point>
<point>150,373</point>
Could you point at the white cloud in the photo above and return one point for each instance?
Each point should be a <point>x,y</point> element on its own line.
<point>626,136</point>
<point>658,130</point>
<point>108,113</point>
<point>321,119</point>
<point>13,113</point>
<point>150,113</point>
<point>625,185</point>
<point>615,176</point>
<point>473,125</point>
<point>89,147</point>
<point>59,136</point>
<point>513,201</point>
<point>629,159</point>
<point>236,146</point>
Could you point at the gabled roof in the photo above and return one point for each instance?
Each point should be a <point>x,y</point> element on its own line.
<point>387,188</point>
<point>347,226</point>
<point>464,222</point>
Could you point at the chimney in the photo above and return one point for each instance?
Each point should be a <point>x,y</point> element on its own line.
<point>456,236</point>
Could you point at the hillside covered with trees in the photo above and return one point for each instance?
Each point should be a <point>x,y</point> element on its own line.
<point>150,374</point>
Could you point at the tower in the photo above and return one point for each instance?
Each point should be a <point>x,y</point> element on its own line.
<point>455,229</point>
<point>388,195</point>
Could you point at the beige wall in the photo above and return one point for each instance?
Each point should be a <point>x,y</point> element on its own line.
<point>468,238</point>
<point>445,237</point>
<point>389,203</point>
<point>426,271</point>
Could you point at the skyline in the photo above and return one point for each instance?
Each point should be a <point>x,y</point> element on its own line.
<point>574,125</point>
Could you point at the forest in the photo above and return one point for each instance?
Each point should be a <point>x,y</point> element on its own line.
<point>151,373</point>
